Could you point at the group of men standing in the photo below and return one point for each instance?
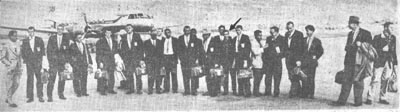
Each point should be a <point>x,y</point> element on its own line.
<point>162,54</point>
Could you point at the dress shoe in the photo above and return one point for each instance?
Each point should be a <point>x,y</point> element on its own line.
<point>78,95</point>
<point>62,97</point>
<point>121,87</point>
<point>357,105</point>
<point>194,93</point>
<point>41,100</point>
<point>186,93</point>
<point>130,92</point>
<point>112,92</point>
<point>368,102</point>
<point>206,94</point>
<point>267,94</point>
<point>13,105</point>
<point>384,102</point>
<point>50,99</point>
<point>6,101</point>
<point>139,92</point>
<point>29,100</point>
<point>150,92</point>
<point>225,93</point>
<point>158,91</point>
<point>256,94</point>
<point>247,95</point>
<point>335,103</point>
<point>165,91</point>
<point>85,94</point>
<point>240,94</point>
<point>175,91</point>
<point>103,93</point>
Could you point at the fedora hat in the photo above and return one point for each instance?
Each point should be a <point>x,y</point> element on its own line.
<point>354,19</point>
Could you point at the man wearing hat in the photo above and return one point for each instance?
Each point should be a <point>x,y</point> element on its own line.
<point>208,61</point>
<point>354,40</point>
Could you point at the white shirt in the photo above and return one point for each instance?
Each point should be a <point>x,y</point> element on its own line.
<point>129,39</point>
<point>237,42</point>
<point>221,37</point>
<point>290,38</point>
<point>159,37</point>
<point>32,43</point>
<point>309,41</point>
<point>168,49</point>
<point>109,41</point>
<point>355,33</point>
<point>187,39</point>
<point>59,40</point>
<point>153,42</point>
<point>80,46</point>
<point>206,43</point>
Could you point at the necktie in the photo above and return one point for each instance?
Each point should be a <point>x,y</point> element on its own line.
<point>168,42</point>
<point>308,43</point>
<point>109,43</point>
<point>58,42</point>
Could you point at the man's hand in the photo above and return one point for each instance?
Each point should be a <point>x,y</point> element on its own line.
<point>101,65</point>
<point>298,63</point>
<point>386,48</point>
<point>266,45</point>
<point>358,43</point>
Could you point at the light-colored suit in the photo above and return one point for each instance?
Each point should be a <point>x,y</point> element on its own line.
<point>11,58</point>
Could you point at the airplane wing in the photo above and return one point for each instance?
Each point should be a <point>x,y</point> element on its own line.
<point>36,29</point>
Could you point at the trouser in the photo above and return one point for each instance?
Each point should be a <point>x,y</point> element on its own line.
<point>153,76</point>
<point>274,71</point>
<point>244,86</point>
<point>80,80</point>
<point>309,83</point>
<point>54,70</point>
<point>379,81</point>
<point>34,71</point>
<point>12,83</point>
<point>130,82</point>
<point>170,69</point>
<point>258,75</point>
<point>350,72</point>
<point>107,84</point>
<point>189,83</point>
<point>295,86</point>
<point>232,73</point>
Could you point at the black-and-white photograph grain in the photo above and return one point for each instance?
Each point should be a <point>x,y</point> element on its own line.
<point>199,55</point>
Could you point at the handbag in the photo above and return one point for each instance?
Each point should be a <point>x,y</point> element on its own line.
<point>196,71</point>
<point>392,83</point>
<point>163,72</point>
<point>299,72</point>
<point>67,73</point>
<point>101,74</point>
<point>245,73</point>
<point>340,77</point>
<point>44,76</point>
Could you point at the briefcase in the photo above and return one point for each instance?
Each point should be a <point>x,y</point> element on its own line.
<point>216,72</point>
<point>340,77</point>
<point>101,74</point>
<point>299,72</point>
<point>90,70</point>
<point>44,76</point>
<point>140,71</point>
<point>245,73</point>
<point>163,72</point>
<point>196,71</point>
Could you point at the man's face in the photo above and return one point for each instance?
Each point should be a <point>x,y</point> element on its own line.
<point>352,26</point>
<point>388,29</point>
<point>272,32</point>
<point>168,33</point>
<point>186,31</point>
<point>290,27</point>
<point>159,32</point>
<point>206,36</point>
<point>108,33</point>
<point>13,37</point>
<point>259,36</point>
<point>129,29</point>
<point>31,32</point>
<point>238,31</point>
<point>309,33</point>
<point>226,33</point>
<point>221,30</point>
<point>153,34</point>
<point>60,30</point>
<point>79,38</point>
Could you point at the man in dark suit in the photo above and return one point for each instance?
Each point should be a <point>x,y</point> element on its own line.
<point>170,61</point>
<point>313,51</point>
<point>354,40</point>
<point>32,51</point>
<point>385,45</point>
<point>58,55</point>
<point>81,60</point>
<point>227,59</point>
<point>272,61</point>
<point>293,52</point>
<point>106,48</point>
<point>208,61</point>
<point>242,60</point>
<point>132,53</point>
<point>153,52</point>
<point>190,55</point>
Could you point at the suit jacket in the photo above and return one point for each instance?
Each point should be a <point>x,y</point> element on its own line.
<point>80,58</point>
<point>11,55</point>
<point>315,49</point>
<point>295,51</point>
<point>153,53</point>
<point>220,51</point>
<point>271,55</point>
<point>104,54</point>
<point>191,53</point>
<point>351,47</point>
<point>381,41</point>
<point>135,53</point>
<point>58,56</point>
<point>175,48</point>
<point>34,57</point>
<point>243,54</point>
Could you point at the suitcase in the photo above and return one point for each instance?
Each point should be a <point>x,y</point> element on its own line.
<point>140,71</point>
<point>101,74</point>
<point>66,75</point>
<point>163,72</point>
<point>245,73</point>
<point>216,72</point>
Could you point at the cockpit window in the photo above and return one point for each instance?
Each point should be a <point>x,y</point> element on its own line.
<point>139,16</point>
